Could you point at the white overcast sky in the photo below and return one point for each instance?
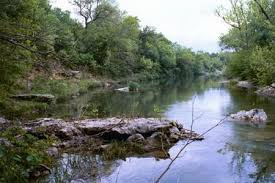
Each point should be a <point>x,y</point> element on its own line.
<point>191,23</point>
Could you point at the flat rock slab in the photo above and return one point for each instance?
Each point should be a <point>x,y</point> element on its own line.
<point>124,127</point>
<point>151,133</point>
<point>35,97</point>
<point>254,116</point>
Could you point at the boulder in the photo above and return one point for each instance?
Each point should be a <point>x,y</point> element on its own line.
<point>245,84</point>
<point>136,138</point>
<point>158,139</point>
<point>5,142</point>
<point>35,97</point>
<point>2,121</point>
<point>268,91</point>
<point>254,116</point>
<point>59,128</point>
<point>52,151</point>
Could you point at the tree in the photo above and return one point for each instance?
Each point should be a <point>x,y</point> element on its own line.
<point>90,10</point>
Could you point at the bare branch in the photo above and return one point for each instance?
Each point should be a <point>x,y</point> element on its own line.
<point>16,42</point>
<point>88,9</point>
<point>188,142</point>
<point>263,10</point>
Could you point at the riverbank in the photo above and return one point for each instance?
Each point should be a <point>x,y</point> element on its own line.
<point>26,102</point>
<point>265,91</point>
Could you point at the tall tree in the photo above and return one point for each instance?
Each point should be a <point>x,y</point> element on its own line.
<point>90,10</point>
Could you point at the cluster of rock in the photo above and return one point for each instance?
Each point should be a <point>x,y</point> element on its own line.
<point>254,116</point>
<point>268,91</point>
<point>151,133</point>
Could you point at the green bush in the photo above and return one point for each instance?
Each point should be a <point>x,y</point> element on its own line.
<point>21,154</point>
<point>257,65</point>
<point>133,86</point>
<point>263,66</point>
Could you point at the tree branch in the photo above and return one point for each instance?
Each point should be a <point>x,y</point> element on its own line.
<point>263,10</point>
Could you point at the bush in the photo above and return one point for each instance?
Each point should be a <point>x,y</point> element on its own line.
<point>21,154</point>
<point>263,65</point>
<point>133,86</point>
<point>256,65</point>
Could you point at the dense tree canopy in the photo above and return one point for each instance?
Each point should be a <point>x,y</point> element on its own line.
<point>109,43</point>
<point>251,37</point>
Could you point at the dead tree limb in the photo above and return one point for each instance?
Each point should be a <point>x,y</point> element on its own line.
<point>188,142</point>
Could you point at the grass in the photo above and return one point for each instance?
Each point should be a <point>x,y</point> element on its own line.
<point>64,88</point>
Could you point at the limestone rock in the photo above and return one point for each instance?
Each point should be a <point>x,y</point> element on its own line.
<point>136,138</point>
<point>254,116</point>
<point>57,127</point>
<point>268,91</point>
<point>245,84</point>
<point>52,151</point>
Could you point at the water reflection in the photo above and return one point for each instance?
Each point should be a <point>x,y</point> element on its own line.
<point>82,168</point>
<point>234,152</point>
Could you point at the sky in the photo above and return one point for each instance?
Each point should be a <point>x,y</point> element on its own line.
<point>191,23</point>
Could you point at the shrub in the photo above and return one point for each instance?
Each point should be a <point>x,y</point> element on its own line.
<point>133,86</point>
<point>21,154</point>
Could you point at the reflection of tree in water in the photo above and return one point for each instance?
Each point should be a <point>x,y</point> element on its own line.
<point>152,95</point>
<point>251,147</point>
<point>85,167</point>
<point>259,165</point>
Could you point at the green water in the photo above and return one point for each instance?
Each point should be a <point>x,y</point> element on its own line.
<point>233,152</point>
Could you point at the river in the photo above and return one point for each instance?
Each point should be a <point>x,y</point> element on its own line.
<point>232,152</point>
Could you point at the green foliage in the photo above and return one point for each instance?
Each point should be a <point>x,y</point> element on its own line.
<point>252,38</point>
<point>64,88</point>
<point>34,35</point>
<point>133,86</point>
<point>21,155</point>
<point>263,65</point>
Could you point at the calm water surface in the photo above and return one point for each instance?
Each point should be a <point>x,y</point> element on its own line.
<point>233,152</point>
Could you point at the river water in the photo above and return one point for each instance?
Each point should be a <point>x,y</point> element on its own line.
<point>232,152</point>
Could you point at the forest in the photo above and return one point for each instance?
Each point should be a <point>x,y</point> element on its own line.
<point>104,42</point>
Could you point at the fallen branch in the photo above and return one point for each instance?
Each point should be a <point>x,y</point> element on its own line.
<point>189,141</point>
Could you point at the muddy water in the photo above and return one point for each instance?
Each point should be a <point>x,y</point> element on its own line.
<point>233,152</point>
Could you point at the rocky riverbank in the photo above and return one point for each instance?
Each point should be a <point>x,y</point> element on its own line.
<point>268,91</point>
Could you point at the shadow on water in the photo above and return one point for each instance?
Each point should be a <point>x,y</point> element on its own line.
<point>234,152</point>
